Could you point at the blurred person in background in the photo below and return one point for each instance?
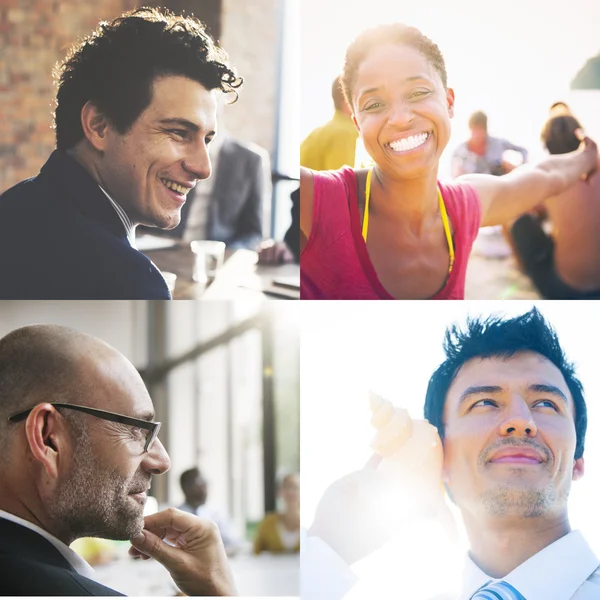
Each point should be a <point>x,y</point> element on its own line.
<point>280,531</point>
<point>565,263</point>
<point>229,206</point>
<point>78,450</point>
<point>394,231</point>
<point>135,114</point>
<point>279,252</point>
<point>195,489</point>
<point>332,145</point>
<point>482,153</point>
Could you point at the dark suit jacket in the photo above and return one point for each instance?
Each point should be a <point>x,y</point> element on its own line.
<point>240,191</point>
<point>60,238</point>
<point>31,566</point>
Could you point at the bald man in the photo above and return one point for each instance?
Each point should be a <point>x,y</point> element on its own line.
<point>78,449</point>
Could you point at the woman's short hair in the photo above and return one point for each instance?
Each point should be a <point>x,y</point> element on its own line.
<point>395,33</point>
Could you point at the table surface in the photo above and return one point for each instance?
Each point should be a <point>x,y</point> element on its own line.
<point>262,575</point>
<point>239,278</point>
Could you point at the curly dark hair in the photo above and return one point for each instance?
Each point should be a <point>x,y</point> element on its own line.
<point>395,33</point>
<point>115,66</point>
<point>498,337</point>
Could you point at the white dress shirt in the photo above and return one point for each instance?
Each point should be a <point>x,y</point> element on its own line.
<point>124,217</point>
<point>564,570</point>
<point>80,565</point>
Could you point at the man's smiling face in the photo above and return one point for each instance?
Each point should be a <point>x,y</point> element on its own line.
<point>150,169</point>
<point>510,437</point>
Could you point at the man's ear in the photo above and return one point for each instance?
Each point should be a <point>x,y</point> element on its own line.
<point>450,99</point>
<point>578,469</point>
<point>47,437</point>
<point>94,125</point>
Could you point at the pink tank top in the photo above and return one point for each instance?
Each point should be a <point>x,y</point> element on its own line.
<point>335,264</point>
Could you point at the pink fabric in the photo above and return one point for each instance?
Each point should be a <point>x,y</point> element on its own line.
<point>335,264</point>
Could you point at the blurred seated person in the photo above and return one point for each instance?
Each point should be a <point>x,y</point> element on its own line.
<point>195,489</point>
<point>273,252</point>
<point>333,145</point>
<point>566,263</point>
<point>280,531</point>
<point>228,207</point>
<point>482,153</point>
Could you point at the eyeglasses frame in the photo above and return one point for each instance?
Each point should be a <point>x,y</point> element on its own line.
<point>150,426</point>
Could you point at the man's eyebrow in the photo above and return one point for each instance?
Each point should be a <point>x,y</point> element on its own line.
<point>479,389</point>
<point>181,122</point>
<point>548,389</point>
<point>147,416</point>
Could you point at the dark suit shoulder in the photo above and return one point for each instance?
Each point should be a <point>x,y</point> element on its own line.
<point>24,577</point>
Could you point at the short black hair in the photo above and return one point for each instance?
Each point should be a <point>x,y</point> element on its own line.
<point>188,477</point>
<point>115,67</point>
<point>395,33</point>
<point>498,337</point>
<point>558,134</point>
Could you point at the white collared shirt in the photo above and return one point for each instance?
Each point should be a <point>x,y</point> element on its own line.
<point>564,570</point>
<point>80,565</point>
<point>124,217</point>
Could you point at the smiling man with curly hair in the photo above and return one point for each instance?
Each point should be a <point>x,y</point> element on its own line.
<point>135,112</point>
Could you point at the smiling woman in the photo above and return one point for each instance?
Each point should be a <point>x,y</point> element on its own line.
<point>394,231</point>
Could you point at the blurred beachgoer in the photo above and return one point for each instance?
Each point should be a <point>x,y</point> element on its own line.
<point>482,153</point>
<point>280,531</point>
<point>564,263</point>
<point>195,489</point>
<point>332,145</point>
<point>394,231</point>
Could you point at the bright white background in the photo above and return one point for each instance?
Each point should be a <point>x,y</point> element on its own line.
<point>393,348</point>
<point>511,59</point>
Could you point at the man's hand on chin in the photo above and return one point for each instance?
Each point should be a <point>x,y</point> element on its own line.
<point>190,548</point>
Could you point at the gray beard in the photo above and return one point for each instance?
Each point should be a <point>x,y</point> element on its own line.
<point>95,503</point>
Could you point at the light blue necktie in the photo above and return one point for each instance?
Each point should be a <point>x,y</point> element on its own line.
<point>500,590</point>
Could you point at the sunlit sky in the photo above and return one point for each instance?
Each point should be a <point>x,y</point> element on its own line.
<point>348,348</point>
<point>511,59</point>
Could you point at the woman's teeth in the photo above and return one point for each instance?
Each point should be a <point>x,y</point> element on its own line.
<point>408,143</point>
<point>175,187</point>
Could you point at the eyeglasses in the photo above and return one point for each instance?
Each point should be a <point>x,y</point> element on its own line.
<point>151,427</point>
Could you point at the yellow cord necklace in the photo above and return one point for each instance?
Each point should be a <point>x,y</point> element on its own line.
<point>365,226</point>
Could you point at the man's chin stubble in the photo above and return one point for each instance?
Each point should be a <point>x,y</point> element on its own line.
<point>511,502</point>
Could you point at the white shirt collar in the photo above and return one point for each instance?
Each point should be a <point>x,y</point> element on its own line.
<point>124,217</point>
<point>80,565</point>
<point>554,573</point>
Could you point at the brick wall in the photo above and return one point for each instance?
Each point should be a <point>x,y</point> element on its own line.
<point>34,36</point>
<point>250,35</point>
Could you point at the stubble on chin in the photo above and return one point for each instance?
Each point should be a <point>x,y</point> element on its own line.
<point>95,503</point>
<point>507,501</point>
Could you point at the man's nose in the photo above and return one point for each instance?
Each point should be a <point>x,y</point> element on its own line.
<point>156,460</point>
<point>197,162</point>
<point>518,421</point>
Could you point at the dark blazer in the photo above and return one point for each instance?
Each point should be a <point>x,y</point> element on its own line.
<point>31,566</point>
<point>241,191</point>
<point>61,238</point>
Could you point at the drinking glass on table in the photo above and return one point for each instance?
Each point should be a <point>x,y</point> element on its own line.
<point>210,256</point>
